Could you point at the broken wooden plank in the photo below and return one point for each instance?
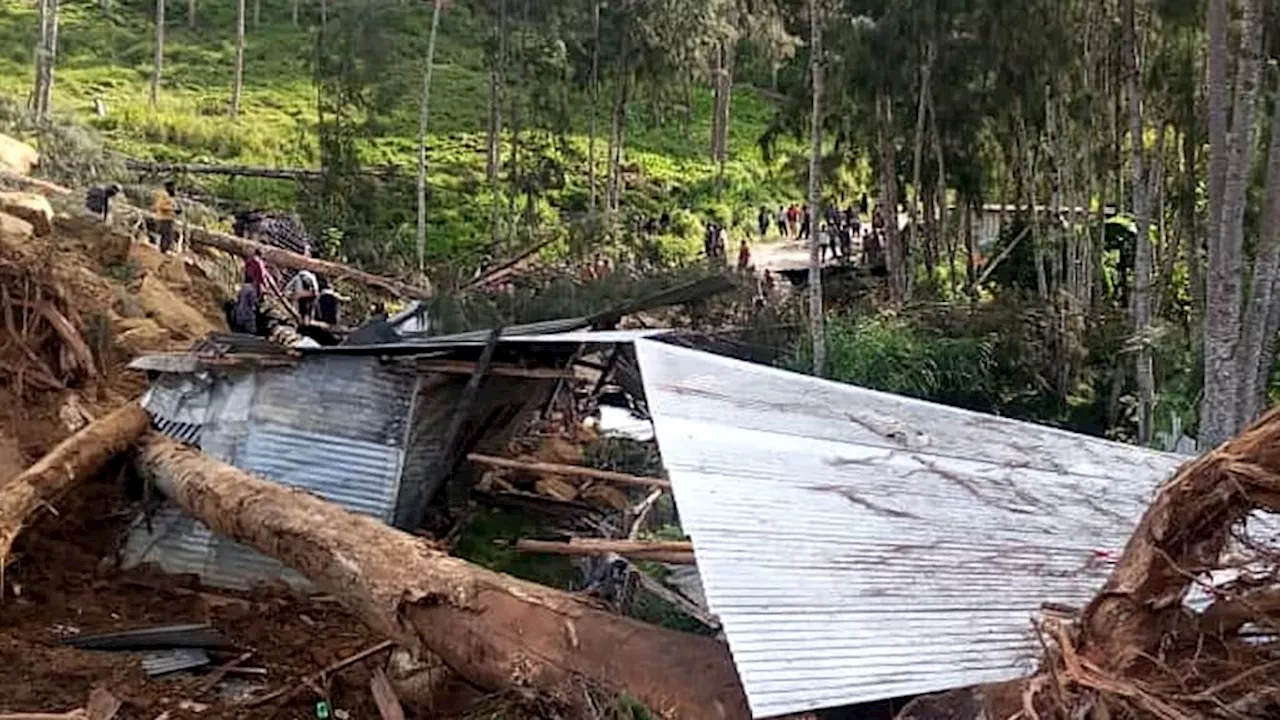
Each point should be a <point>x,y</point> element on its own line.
<point>571,470</point>
<point>495,631</point>
<point>166,168</point>
<point>672,556</point>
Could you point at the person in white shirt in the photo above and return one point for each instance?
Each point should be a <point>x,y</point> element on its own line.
<point>303,290</point>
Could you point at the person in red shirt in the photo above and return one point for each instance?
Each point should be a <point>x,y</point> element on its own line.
<point>744,256</point>
<point>793,220</point>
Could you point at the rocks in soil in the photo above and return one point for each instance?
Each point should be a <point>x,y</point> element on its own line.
<point>32,207</point>
<point>142,335</point>
<point>17,156</point>
<point>15,231</point>
<point>170,311</point>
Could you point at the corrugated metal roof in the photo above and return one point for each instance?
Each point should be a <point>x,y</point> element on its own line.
<point>858,545</point>
<point>349,397</point>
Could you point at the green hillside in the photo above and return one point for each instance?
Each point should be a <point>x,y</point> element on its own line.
<point>109,58</point>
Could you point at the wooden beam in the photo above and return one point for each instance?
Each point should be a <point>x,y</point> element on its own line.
<point>464,367</point>
<point>631,551</point>
<point>571,470</point>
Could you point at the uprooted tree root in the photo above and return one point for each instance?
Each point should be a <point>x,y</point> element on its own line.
<point>1138,651</point>
<point>42,336</point>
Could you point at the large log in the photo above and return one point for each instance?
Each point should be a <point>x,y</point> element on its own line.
<point>164,168</point>
<point>285,258</point>
<point>74,460</point>
<point>496,631</point>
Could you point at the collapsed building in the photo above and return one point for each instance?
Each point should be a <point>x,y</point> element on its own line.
<point>854,545</point>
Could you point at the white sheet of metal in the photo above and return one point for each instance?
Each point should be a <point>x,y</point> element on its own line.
<point>859,545</point>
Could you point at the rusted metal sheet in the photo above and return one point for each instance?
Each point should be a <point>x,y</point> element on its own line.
<point>858,545</point>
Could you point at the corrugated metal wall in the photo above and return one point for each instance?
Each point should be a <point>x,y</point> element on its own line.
<point>499,403</point>
<point>859,546</point>
<point>334,426</point>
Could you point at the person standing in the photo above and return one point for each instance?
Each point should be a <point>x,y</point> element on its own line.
<point>165,207</point>
<point>98,199</point>
<point>303,290</point>
<point>806,224</point>
<point>744,256</point>
<point>782,222</point>
<point>862,205</point>
<point>793,220</point>
<point>762,220</point>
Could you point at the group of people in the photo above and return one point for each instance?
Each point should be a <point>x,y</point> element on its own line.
<point>716,237</point>
<point>313,298</point>
<point>164,210</point>
<point>793,221</point>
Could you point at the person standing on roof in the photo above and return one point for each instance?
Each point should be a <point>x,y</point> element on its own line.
<point>165,207</point>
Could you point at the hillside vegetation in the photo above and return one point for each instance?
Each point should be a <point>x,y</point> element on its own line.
<point>109,59</point>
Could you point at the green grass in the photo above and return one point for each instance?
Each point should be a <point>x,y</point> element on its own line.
<point>109,58</point>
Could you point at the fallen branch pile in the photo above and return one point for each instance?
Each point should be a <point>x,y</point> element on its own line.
<point>1139,650</point>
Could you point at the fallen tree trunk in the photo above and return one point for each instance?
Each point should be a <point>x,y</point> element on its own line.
<point>74,460</point>
<point>164,168</point>
<point>495,631</point>
<point>285,258</point>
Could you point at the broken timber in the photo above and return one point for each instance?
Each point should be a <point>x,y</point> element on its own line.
<point>163,168</point>
<point>675,553</point>
<point>495,631</point>
<point>73,461</point>
<point>570,470</point>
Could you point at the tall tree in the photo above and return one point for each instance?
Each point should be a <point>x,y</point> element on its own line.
<point>1142,257</point>
<point>817,326</point>
<point>1232,153</point>
<point>237,86</point>
<point>157,65</point>
<point>46,59</point>
<point>595,102</point>
<point>191,13</point>
<point>424,120</point>
<point>1262,318</point>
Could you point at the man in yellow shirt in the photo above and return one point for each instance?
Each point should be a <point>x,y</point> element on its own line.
<point>165,207</point>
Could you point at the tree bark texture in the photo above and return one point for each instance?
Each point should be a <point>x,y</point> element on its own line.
<point>1257,345</point>
<point>817,323</point>
<point>424,121</point>
<point>192,10</point>
<point>72,461</point>
<point>1222,330</point>
<point>1141,306</point>
<point>157,64</point>
<point>495,631</point>
<point>237,84</point>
